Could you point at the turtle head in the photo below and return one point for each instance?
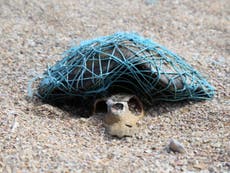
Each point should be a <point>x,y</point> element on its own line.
<point>122,114</point>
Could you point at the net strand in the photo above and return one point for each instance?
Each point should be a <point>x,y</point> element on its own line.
<point>125,62</point>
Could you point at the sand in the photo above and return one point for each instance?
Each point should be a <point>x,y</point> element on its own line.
<point>37,137</point>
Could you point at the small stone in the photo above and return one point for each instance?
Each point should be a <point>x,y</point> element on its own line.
<point>175,146</point>
<point>216,145</point>
<point>200,166</point>
<point>148,151</point>
<point>31,43</point>
<point>212,170</point>
<point>227,164</point>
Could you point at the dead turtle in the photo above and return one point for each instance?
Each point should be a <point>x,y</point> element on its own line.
<point>122,63</point>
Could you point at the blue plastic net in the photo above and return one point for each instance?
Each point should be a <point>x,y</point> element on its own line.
<point>123,63</point>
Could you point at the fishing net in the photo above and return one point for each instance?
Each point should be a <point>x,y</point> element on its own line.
<point>123,63</point>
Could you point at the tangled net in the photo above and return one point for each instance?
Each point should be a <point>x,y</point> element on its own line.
<point>123,62</point>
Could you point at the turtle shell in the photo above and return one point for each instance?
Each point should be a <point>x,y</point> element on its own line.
<point>123,63</point>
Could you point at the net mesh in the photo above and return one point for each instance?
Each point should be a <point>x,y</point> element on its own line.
<point>120,63</point>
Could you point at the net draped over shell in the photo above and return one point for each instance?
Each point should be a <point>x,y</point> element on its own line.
<point>123,62</point>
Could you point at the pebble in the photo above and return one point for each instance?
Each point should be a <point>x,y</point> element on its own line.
<point>176,146</point>
<point>31,43</point>
<point>200,166</point>
<point>212,170</point>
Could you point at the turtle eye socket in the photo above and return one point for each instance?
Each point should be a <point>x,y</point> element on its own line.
<point>135,106</point>
<point>118,106</point>
<point>100,106</point>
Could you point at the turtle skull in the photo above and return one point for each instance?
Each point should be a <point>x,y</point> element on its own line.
<point>122,114</point>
